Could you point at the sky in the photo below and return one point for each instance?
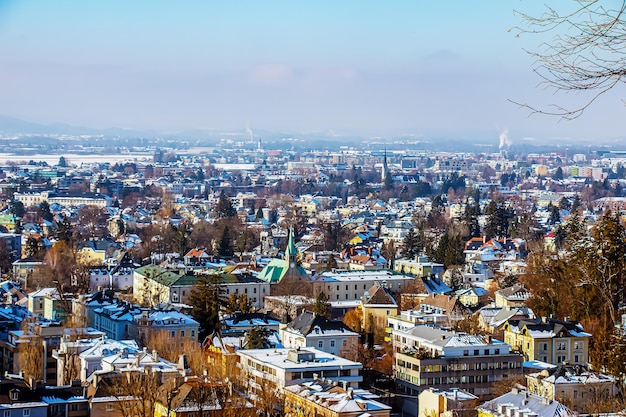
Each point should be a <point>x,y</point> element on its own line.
<point>375,66</point>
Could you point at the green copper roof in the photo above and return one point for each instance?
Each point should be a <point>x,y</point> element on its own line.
<point>291,246</point>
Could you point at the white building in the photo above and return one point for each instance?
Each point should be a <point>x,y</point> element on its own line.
<point>283,367</point>
<point>351,285</point>
<point>311,330</point>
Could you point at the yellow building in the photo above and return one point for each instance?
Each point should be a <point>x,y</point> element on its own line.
<point>572,384</point>
<point>377,306</point>
<point>321,398</point>
<point>549,340</point>
<point>434,402</point>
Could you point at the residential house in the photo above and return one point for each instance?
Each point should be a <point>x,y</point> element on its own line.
<point>455,402</point>
<point>169,326</point>
<point>549,340</point>
<point>521,403</point>
<point>447,305</point>
<point>322,397</point>
<point>430,357</point>
<point>514,296</point>
<point>274,369</point>
<point>27,272</point>
<point>377,305</point>
<point>312,330</point>
<point>351,285</point>
<point>575,385</point>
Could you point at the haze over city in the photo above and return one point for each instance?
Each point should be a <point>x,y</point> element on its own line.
<point>374,68</point>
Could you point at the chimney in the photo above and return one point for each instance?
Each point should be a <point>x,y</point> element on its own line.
<point>155,355</point>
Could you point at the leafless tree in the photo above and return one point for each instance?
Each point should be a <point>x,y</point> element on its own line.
<point>586,53</point>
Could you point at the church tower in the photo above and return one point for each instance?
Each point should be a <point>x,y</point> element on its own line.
<point>291,252</point>
<point>385,171</point>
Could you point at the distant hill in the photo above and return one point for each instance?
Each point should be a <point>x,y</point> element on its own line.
<point>13,126</point>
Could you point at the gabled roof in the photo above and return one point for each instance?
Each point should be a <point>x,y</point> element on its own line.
<point>378,295</point>
<point>531,403</point>
<point>547,328</point>
<point>308,321</point>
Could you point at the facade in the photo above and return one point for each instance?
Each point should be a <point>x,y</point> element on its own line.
<point>433,402</point>
<point>26,271</point>
<point>574,385</point>
<point>512,297</point>
<point>429,357</point>
<point>325,399</point>
<point>421,267</point>
<point>311,330</point>
<point>44,334</point>
<point>520,403</point>
<point>168,325</point>
<point>377,306</point>
<point>549,340</point>
<point>279,368</point>
<point>351,285</point>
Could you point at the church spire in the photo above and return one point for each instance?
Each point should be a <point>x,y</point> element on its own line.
<point>291,252</point>
<point>385,171</point>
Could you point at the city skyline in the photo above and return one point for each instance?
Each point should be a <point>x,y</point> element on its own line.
<point>368,66</point>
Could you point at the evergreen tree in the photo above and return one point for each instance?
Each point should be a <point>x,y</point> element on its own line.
<point>224,208</point>
<point>17,208</point>
<point>44,211</point>
<point>225,247</point>
<point>258,338</point>
<point>322,307</point>
<point>33,247</point>
<point>576,203</point>
<point>555,214</point>
<point>65,231</point>
<point>206,300</point>
<point>259,214</point>
<point>558,174</point>
<point>449,251</point>
<point>411,245</point>
<point>331,263</point>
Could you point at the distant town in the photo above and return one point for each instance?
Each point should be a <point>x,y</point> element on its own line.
<point>297,277</point>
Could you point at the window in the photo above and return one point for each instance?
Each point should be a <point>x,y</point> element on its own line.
<point>26,412</point>
<point>575,358</point>
<point>560,346</point>
<point>182,333</point>
<point>320,344</point>
<point>332,343</point>
<point>355,287</point>
<point>544,346</point>
<point>173,333</point>
<point>497,351</point>
<point>254,291</point>
<point>465,352</point>
<point>476,352</point>
<point>7,413</point>
<point>193,333</point>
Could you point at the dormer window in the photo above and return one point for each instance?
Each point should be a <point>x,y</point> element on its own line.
<point>15,394</point>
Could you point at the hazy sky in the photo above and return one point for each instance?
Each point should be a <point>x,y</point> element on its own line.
<point>322,65</point>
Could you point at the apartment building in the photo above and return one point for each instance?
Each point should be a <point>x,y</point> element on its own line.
<point>430,357</point>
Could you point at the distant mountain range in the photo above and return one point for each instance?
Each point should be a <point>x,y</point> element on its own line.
<point>13,126</point>
<point>450,139</point>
